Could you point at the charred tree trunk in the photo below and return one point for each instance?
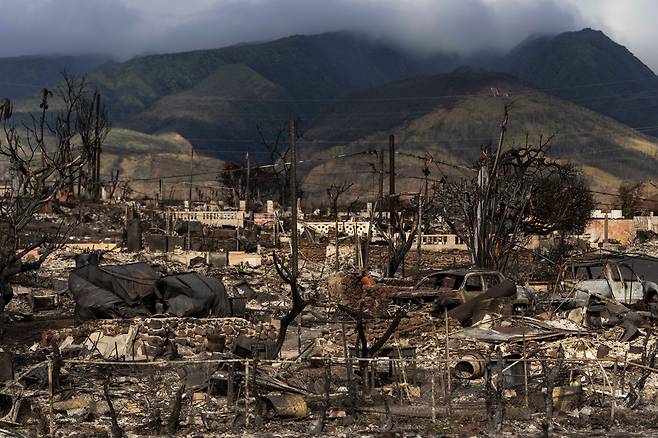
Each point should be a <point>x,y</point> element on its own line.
<point>401,245</point>
<point>297,307</point>
<point>116,430</point>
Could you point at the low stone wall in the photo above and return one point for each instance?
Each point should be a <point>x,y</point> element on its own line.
<point>154,338</point>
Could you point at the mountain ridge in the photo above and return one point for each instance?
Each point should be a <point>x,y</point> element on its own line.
<point>454,127</point>
<point>219,98</point>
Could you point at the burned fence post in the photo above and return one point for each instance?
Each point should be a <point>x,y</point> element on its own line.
<point>246,393</point>
<point>327,386</point>
<point>548,375</point>
<point>447,358</point>
<point>116,430</point>
<point>230,385</point>
<point>500,387</point>
<point>433,398</point>
<point>350,378</point>
<point>488,391</point>
<point>551,373</point>
<point>173,421</point>
<point>613,402</point>
<point>494,403</point>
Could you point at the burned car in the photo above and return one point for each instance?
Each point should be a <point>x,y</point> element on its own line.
<point>608,279</point>
<point>449,289</point>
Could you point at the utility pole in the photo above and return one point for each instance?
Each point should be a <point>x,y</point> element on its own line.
<point>335,202</point>
<point>420,234</point>
<point>160,190</point>
<point>381,182</point>
<point>189,195</point>
<point>422,199</point>
<point>189,201</point>
<point>97,154</point>
<point>247,188</point>
<point>391,175</point>
<point>391,196</point>
<point>294,270</point>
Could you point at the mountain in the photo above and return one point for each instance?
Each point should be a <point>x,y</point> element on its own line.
<point>26,75</point>
<point>351,91</point>
<point>451,116</point>
<point>217,98</point>
<point>220,96</point>
<point>305,66</point>
<point>588,68</point>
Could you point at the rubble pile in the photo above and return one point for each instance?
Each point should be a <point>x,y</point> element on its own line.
<point>154,338</point>
<point>190,345</point>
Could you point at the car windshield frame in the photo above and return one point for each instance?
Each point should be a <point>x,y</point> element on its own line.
<point>438,281</point>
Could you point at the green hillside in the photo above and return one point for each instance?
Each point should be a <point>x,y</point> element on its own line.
<point>452,116</point>
<point>316,66</point>
<point>225,93</point>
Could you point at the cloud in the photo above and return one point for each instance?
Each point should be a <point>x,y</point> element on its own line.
<point>422,25</point>
<point>125,28</point>
<point>630,23</point>
<point>67,26</point>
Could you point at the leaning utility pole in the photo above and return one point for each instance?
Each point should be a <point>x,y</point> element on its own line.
<point>294,269</point>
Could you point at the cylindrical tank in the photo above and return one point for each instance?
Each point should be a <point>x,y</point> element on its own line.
<point>470,366</point>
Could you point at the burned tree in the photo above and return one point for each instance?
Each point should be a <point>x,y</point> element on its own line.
<point>45,155</point>
<point>631,196</point>
<point>234,176</point>
<point>278,150</point>
<point>513,194</point>
<point>92,126</point>
<point>297,306</point>
<point>363,349</point>
<point>334,193</point>
<point>290,274</point>
<point>234,181</point>
<point>114,182</point>
<point>403,226</point>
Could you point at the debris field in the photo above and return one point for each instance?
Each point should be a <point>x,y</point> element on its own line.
<point>103,341</point>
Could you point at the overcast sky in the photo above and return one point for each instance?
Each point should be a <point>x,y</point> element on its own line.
<point>125,28</point>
